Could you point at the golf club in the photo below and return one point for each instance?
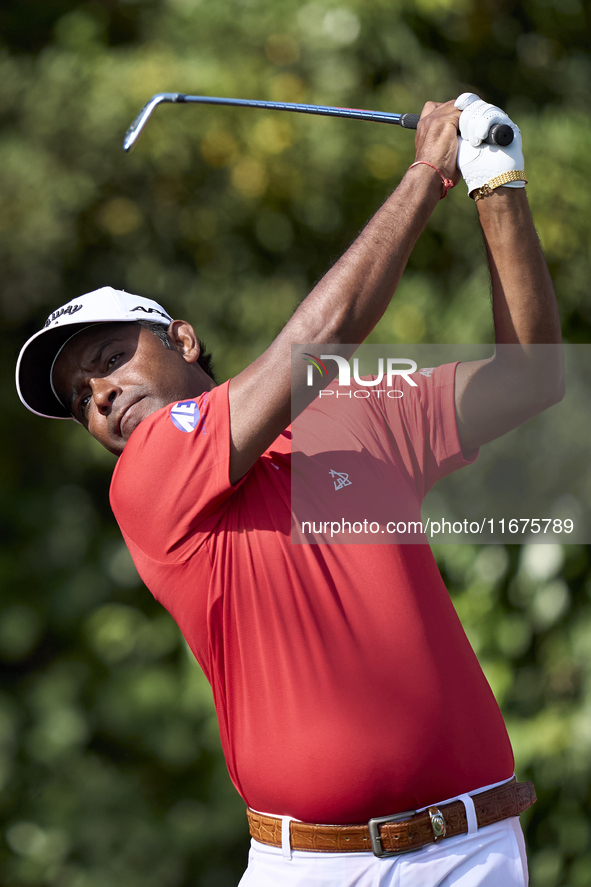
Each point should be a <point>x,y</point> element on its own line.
<point>499,134</point>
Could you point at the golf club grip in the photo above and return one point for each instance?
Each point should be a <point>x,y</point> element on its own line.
<point>409,121</point>
<point>499,134</point>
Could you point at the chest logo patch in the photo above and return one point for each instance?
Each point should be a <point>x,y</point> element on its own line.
<point>340,479</point>
<point>185,415</point>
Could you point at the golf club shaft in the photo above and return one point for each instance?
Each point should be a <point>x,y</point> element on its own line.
<point>498,134</point>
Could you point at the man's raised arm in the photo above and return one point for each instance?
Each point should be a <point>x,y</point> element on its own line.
<point>525,376</point>
<point>350,299</point>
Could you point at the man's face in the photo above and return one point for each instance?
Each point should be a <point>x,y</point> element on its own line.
<point>113,375</point>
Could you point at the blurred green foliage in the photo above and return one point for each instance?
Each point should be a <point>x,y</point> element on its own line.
<point>110,769</point>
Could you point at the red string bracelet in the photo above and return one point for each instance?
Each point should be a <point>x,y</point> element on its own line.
<point>447,183</point>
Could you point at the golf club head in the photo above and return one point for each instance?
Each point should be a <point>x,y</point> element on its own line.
<point>135,130</point>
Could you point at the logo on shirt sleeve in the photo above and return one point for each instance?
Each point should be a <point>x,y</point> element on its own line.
<point>185,415</point>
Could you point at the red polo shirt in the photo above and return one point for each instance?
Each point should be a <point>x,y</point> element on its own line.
<point>344,684</point>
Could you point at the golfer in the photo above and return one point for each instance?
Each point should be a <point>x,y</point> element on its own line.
<point>355,720</point>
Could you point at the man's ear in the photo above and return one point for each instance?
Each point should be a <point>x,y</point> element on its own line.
<point>184,339</point>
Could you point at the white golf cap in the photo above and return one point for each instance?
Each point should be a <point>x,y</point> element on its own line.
<point>38,355</point>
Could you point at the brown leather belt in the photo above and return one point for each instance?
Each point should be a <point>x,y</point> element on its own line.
<point>401,833</point>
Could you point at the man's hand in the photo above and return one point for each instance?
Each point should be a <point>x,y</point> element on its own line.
<point>436,139</point>
<point>479,162</point>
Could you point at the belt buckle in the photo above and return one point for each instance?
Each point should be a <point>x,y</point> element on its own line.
<point>374,833</point>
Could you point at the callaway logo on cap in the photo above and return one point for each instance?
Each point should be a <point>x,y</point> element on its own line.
<point>38,355</point>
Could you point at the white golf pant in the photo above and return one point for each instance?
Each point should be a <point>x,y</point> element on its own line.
<point>493,856</point>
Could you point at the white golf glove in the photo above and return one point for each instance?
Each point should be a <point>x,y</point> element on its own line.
<point>480,163</point>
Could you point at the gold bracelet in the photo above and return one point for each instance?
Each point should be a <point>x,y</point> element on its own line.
<point>514,175</point>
